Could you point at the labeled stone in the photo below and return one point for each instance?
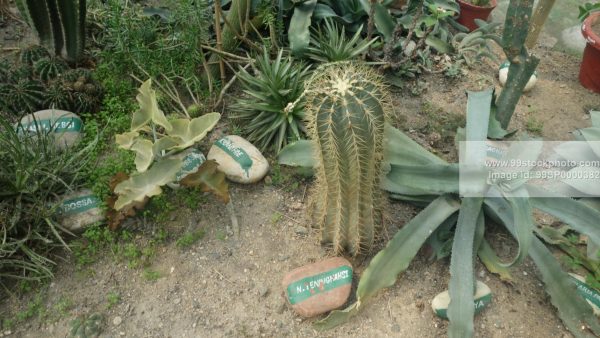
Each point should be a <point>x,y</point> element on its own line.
<point>589,293</point>
<point>320,287</point>
<point>503,76</point>
<point>192,160</point>
<point>66,127</point>
<point>482,298</point>
<point>239,159</point>
<point>80,209</point>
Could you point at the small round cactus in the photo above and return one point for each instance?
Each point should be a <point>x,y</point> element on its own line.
<point>24,96</point>
<point>21,73</point>
<point>346,113</point>
<point>87,327</point>
<point>30,55</point>
<point>50,68</point>
<point>57,96</point>
<point>84,103</point>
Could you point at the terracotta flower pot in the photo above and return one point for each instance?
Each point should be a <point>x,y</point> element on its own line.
<point>470,12</point>
<point>589,73</point>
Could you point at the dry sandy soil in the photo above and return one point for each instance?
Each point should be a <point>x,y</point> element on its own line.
<point>226,286</point>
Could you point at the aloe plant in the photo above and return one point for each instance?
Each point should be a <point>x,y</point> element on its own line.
<point>419,176</point>
<point>156,141</point>
<point>345,118</point>
<point>59,24</point>
<point>330,44</point>
<point>271,114</point>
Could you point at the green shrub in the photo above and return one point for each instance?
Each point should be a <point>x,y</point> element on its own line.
<point>33,172</point>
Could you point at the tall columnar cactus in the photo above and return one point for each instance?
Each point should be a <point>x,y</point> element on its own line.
<point>60,24</point>
<point>345,117</point>
<point>522,63</point>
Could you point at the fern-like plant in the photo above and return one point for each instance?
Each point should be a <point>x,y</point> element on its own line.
<point>271,113</point>
<point>346,113</point>
<point>330,44</point>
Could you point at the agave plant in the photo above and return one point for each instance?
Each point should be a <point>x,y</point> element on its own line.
<point>331,44</point>
<point>580,155</point>
<point>418,176</point>
<point>272,113</point>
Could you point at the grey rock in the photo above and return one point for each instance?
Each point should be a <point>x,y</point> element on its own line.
<point>117,320</point>
<point>300,230</point>
<point>66,127</point>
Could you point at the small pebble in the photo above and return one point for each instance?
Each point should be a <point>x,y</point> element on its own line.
<point>117,321</point>
<point>263,291</point>
<point>300,230</point>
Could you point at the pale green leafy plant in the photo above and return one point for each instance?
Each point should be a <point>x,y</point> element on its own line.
<point>156,141</point>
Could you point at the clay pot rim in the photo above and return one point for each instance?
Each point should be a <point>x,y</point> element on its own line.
<point>469,5</point>
<point>590,36</point>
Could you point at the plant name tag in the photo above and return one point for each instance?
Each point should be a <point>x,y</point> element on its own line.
<point>587,292</point>
<point>191,163</point>
<point>305,288</point>
<point>238,154</point>
<point>60,125</point>
<point>78,205</point>
<point>482,298</point>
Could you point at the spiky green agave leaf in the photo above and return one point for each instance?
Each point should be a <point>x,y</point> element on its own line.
<point>462,282</point>
<point>573,310</point>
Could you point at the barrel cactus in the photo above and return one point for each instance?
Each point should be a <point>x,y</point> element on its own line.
<point>345,115</point>
<point>49,68</point>
<point>32,54</point>
<point>57,96</point>
<point>24,96</point>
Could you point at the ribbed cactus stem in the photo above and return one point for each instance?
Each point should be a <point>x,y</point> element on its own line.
<point>345,118</point>
<point>59,24</point>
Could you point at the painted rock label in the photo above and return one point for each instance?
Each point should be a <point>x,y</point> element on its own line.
<point>482,298</point>
<point>237,153</point>
<point>78,205</point>
<point>307,287</point>
<point>191,162</point>
<point>60,125</point>
<point>479,304</point>
<point>587,292</point>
